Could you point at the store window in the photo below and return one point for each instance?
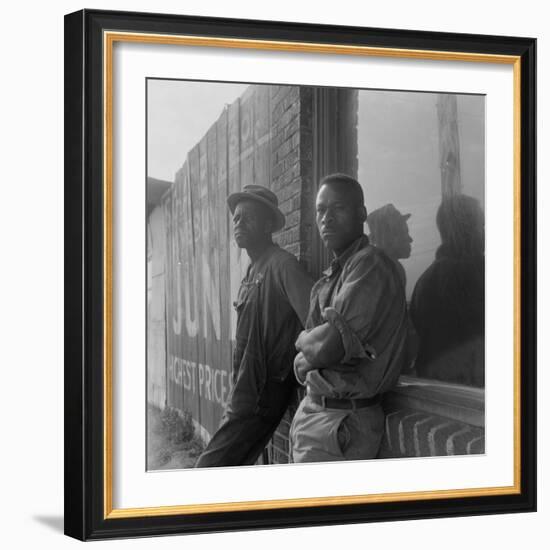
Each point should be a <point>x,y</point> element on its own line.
<point>421,163</point>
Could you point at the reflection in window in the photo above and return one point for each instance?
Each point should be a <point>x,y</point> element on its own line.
<point>422,168</point>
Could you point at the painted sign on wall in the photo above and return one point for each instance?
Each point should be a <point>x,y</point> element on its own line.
<point>204,267</point>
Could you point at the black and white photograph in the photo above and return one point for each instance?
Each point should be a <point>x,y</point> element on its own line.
<point>315,274</point>
<point>300,276</point>
<point>273,275</point>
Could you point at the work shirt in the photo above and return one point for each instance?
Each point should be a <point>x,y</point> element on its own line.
<point>362,296</point>
<point>272,307</point>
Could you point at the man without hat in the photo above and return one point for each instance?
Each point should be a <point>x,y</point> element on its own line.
<point>271,309</point>
<point>354,345</point>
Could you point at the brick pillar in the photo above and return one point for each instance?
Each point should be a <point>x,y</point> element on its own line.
<point>313,133</point>
<point>291,155</point>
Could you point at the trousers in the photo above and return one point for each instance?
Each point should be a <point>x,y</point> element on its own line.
<point>242,436</point>
<point>322,434</point>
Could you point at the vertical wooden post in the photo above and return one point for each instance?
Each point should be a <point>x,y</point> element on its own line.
<point>449,145</point>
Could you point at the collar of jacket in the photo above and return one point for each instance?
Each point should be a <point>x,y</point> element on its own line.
<point>339,261</point>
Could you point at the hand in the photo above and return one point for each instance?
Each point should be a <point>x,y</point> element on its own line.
<point>300,340</point>
<point>301,367</point>
<point>321,346</point>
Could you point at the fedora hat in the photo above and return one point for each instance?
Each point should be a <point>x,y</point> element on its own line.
<point>262,195</point>
<point>387,215</point>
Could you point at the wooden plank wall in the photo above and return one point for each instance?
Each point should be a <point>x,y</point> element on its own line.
<point>156,325</point>
<point>203,266</point>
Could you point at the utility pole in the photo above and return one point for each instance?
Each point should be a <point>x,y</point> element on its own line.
<point>449,145</point>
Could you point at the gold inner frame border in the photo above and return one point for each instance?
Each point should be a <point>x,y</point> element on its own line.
<point>109,39</point>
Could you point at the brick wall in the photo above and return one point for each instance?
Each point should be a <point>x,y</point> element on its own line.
<point>291,151</point>
<point>412,433</point>
<point>430,418</point>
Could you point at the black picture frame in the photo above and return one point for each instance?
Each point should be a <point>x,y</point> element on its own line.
<point>85,494</point>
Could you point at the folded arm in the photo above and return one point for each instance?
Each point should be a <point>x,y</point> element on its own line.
<point>321,346</point>
<point>331,343</point>
<point>318,348</point>
<point>344,339</point>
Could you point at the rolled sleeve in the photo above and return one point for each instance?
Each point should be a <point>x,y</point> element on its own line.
<point>301,381</point>
<point>354,348</point>
<point>369,303</point>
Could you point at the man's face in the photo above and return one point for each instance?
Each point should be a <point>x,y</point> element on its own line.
<point>402,240</point>
<point>250,224</point>
<point>339,218</point>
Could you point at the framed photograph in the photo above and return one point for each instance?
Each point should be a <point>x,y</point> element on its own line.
<point>300,274</point>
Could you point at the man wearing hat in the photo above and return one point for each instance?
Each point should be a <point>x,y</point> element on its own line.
<point>390,232</point>
<point>271,306</point>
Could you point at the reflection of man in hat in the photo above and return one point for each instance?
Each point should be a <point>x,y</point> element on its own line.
<point>390,232</point>
<point>271,308</point>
